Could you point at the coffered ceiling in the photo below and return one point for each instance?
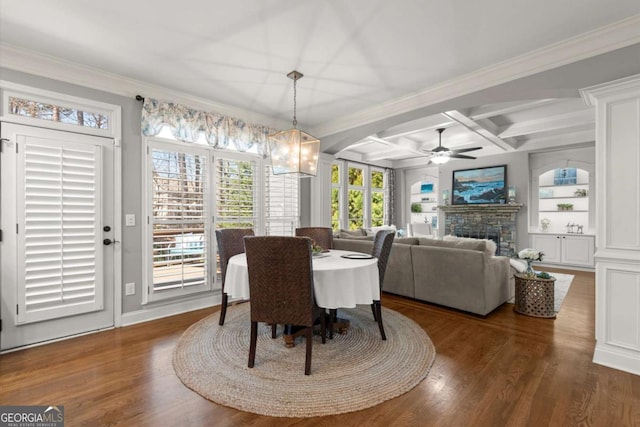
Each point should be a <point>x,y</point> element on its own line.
<point>380,76</point>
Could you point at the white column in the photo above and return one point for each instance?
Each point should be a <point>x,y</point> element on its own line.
<point>617,222</point>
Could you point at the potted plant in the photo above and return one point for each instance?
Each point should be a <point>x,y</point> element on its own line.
<point>565,206</point>
<point>416,208</point>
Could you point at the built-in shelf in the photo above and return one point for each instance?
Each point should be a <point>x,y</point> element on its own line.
<point>572,210</point>
<point>553,195</point>
<point>563,197</point>
<point>564,185</point>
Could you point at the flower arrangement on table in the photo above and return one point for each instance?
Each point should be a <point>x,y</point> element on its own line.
<point>315,249</point>
<point>530,255</point>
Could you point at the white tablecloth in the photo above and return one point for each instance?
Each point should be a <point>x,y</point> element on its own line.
<point>338,282</point>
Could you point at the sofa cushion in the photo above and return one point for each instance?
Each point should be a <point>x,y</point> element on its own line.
<point>367,238</point>
<point>406,240</point>
<point>455,243</point>
<point>350,233</point>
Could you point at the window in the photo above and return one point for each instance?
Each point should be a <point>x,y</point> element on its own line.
<point>194,188</point>
<point>37,107</point>
<point>57,113</point>
<point>335,196</point>
<point>377,198</point>
<point>356,198</point>
<point>281,203</point>
<point>236,198</point>
<point>178,177</point>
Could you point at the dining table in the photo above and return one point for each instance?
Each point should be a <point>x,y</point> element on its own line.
<point>341,279</point>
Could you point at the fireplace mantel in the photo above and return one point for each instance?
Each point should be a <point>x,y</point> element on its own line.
<point>509,208</point>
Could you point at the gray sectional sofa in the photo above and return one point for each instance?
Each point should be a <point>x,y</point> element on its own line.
<point>457,273</point>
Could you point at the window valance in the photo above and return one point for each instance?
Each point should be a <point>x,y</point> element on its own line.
<point>186,124</point>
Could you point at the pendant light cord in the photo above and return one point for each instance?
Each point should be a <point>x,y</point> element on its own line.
<point>295,120</point>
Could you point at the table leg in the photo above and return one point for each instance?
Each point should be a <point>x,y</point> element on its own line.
<point>291,332</point>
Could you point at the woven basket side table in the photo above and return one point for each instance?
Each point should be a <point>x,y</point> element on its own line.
<point>534,296</point>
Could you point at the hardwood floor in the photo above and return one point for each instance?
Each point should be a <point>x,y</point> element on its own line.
<point>503,370</point>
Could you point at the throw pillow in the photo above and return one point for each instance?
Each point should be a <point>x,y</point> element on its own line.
<point>490,246</point>
<point>467,243</point>
<point>374,230</point>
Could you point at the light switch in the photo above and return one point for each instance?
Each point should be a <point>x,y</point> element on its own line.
<point>130,289</point>
<point>130,220</point>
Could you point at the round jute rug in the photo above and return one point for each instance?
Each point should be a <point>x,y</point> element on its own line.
<point>349,373</point>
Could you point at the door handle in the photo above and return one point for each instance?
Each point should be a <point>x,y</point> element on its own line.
<point>108,242</point>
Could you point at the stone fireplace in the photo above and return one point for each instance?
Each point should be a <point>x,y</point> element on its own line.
<point>494,222</point>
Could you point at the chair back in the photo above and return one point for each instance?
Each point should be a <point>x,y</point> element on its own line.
<point>230,243</point>
<point>381,249</point>
<point>421,229</point>
<point>280,279</point>
<point>323,236</point>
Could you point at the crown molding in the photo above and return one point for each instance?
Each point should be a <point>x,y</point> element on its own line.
<point>596,42</point>
<point>43,65</point>
<point>619,87</point>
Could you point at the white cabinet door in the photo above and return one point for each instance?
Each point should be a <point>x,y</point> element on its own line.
<point>549,244</point>
<point>578,250</point>
<point>565,249</point>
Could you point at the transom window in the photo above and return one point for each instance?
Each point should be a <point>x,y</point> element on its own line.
<point>57,113</point>
<point>31,106</point>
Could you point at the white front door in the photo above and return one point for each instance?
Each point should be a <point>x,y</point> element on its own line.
<point>56,195</point>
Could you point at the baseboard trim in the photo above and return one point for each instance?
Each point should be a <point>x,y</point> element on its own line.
<point>147,314</point>
<point>622,360</point>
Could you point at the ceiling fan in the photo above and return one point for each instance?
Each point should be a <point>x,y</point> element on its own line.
<point>441,155</point>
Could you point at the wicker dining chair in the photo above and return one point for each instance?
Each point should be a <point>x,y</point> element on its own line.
<point>382,244</point>
<point>230,243</point>
<point>281,287</point>
<point>323,236</point>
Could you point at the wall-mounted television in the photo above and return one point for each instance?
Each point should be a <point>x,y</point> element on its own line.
<point>486,185</point>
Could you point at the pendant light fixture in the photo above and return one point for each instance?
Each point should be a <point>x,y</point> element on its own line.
<point>294,151</point>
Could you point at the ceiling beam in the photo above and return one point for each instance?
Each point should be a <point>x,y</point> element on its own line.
<point>420,125</point>
<point>492,110</point>
<point>553,123</point>
<point>405,146</point>
<point>485,128</point>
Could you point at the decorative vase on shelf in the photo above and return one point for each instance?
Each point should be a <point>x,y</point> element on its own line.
<point>544,224</point>
<point>529,272</point>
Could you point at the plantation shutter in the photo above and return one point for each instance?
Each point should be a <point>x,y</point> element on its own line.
<point>59,219</point>
<point>180,230</point>
<point>282,203</point>
<point>236,205</point>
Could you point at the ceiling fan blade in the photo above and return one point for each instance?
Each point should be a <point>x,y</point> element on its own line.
<point>461,156</point>
<point>465,150</point>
